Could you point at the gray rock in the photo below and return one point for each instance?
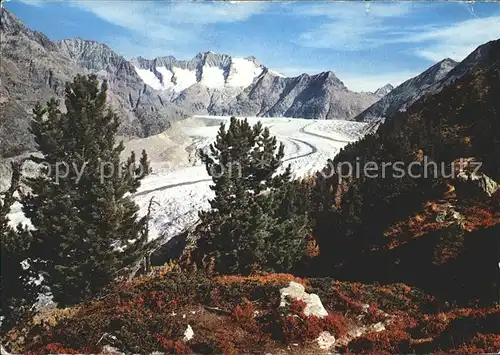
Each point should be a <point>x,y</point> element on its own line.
<point>483,182</point>
<point>378,327</point>
<point>313,303</point>
<point>325,340</point>
<point>188,333</point>
<point>3,351</point>
<point>487,185</point>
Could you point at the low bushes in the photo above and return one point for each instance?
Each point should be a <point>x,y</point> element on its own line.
<point>295,326</point>
<point>241,314</point>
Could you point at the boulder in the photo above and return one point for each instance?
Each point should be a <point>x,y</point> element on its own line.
<point>378,327</point>
<point>110,350</point>
<point>313,303</point>
<point>188,333</point>
<point>481,181</point>
<point>3,351</point>
<point>325,340</point>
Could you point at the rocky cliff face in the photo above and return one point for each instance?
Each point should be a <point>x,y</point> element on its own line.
<point>431,81</point>
<point>218,84</point>
<point>321,96</point>
<point>408,92</point>
<point>34,68</point>
<point>384,90</point>
<point>149,94</point>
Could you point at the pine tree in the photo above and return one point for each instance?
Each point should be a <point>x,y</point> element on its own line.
<point>18,292</point>
<point>243,231</point>
<point>85,221</point>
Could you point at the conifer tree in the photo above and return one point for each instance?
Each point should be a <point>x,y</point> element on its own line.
<point>85,221</point>
<point>17,290</point>
<point>243,231</point>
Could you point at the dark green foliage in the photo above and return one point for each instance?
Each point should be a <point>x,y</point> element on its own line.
<point>459,122</point>
<point>78,205</point>
<point>18,294</point>
<point>249,227</point>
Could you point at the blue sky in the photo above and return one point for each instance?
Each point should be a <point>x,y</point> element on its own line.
<point>366,44</point>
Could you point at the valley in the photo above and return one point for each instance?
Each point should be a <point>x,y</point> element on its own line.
<point>183,191</point>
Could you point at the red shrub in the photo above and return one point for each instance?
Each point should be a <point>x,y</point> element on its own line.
<point>375,315</point>
<point>434,325</point>
<point>58,348</point>
<point>173,346</point>
<point>480,344</point>
<point>336,324</point>
<point>244,316</point>
<point>224,343</point>
<point>297,327</point>
<point>243,313</point>
<point>296,306</point>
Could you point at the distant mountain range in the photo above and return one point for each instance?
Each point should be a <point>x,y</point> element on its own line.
<point>431,81</point>
<point>149,94</point>
<point>218,84</point>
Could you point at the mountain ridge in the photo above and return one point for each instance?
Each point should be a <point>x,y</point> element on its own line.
<point>431,81</point>
<point>150,93</point>
<point>408,92</point>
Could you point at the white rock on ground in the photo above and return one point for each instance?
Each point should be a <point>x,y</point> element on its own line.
<point>325,340</point>
<point>314,307</point>
<point>188,333</point>
<point>378,327</point>
<point>108,349</point>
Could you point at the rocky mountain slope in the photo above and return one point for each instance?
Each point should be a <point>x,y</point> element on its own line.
<point>384,90</point>
<point>149,94</point>
<point>35,68</point>
<point>408,92</point>
<point>320,96</point>
<point>431,81</point>
<point>218,84</point>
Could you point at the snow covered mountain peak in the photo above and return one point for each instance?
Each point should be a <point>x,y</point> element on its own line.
<point>384,90</point>
<point>213,70</point>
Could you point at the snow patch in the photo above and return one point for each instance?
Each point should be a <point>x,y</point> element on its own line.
<point>183,78</point>
<point>275,73</point>
<point>243,72</point>
<point>167,76</point>
<point>149,78</point>
<point>177,79</point>
<point>212,77</point>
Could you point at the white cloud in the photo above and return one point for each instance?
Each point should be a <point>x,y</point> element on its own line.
<point>36,3</point>
<point>170,21</point>
<point>455,41</point>
<point>161,28</point>
<point>351,26</point>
